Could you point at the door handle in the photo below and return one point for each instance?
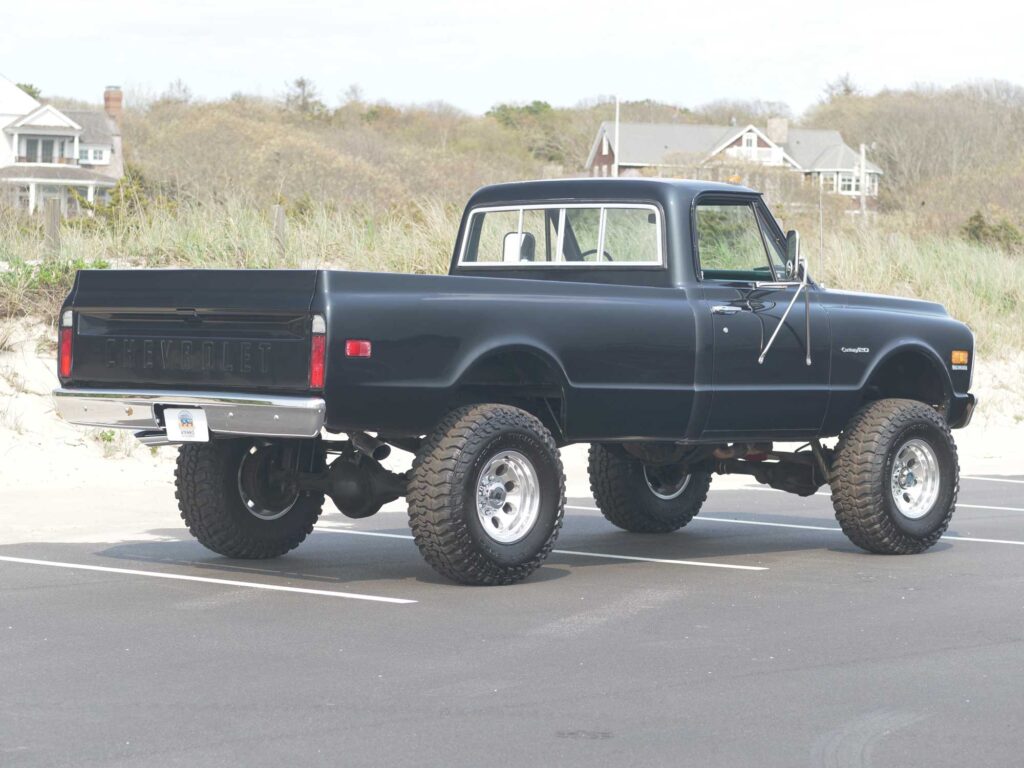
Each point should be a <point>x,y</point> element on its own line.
<point>725,309</point>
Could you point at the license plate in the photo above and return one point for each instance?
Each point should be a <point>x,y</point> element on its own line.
<point>186,425</point>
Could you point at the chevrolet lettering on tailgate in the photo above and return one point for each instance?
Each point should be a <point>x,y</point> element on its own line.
<point>189,355</point>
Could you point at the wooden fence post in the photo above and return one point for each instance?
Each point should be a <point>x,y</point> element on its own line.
<point>51,226</point>
<point>280,223</point>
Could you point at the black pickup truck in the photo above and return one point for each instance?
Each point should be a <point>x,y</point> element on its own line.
<point>669,324</point>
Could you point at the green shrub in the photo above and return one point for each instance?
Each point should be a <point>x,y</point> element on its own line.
<point>1001,234</point>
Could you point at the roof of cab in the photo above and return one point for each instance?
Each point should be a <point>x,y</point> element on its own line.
<point>621,189</point>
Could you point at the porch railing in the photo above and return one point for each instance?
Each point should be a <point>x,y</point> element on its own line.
<point>58,161</point>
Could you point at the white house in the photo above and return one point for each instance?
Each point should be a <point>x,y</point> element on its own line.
<point>47,153</point>
<point>664,148</point>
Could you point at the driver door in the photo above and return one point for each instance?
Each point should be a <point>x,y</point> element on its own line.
<point>779,395</point>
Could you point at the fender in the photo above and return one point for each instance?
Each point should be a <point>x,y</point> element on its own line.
<point>509,346</point>
<point>903,345</point>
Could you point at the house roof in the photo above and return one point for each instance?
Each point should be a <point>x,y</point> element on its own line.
<point>97,126</point>
<point>652,143</point>
<point>46,116</point>
<point>68,174</point>
<point>839,157</point>
<point>662,143</point>
<point>13,100</point>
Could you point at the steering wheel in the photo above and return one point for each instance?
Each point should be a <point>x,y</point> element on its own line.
<point>593,252</point>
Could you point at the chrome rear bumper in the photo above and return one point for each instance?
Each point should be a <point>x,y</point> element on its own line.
<point>227,413</point>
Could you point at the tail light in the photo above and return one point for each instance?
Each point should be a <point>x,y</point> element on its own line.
<point>317,353</point>
<point>64,340</point>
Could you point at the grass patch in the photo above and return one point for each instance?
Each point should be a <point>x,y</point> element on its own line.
<point>14,379</point>
<point>981,284</point>
<point>7,337</point>
<point>11,419</point>
<point>116,443</point>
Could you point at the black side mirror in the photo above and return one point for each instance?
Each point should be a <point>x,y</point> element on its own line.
<point>793,247</point>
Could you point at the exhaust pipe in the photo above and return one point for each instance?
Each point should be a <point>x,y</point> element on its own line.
<point>741,450</point>
<point>370,446</point>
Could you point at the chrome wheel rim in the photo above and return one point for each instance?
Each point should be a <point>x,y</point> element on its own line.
<point>508,497</point>
<point>665,489</point>
<point>915,479</point>
<point>260,499</point>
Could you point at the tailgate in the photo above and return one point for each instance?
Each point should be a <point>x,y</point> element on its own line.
<point>200,329</point>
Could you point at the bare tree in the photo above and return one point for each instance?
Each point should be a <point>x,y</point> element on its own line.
<point>303,97</point>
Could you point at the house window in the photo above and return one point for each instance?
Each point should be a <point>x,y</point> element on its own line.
<point>97,154</point>
<point>83,154</point>
<point>749,140</point>
<point>846,182</point>
<point>604,145</point>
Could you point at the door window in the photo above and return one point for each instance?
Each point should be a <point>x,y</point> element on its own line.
<point>730,244</point>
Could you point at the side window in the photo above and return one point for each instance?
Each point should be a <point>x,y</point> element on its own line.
<point>580,235</point>
<point>730,245</point>
<point>631,235</point>
<point>774,241</point>
<point>540,231</point>
<point>582,229</point>
<point>487,235</point>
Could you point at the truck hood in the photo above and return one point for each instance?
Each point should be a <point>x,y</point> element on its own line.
<point>887,303</point>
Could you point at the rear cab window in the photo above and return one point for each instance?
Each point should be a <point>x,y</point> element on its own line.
<point>588,234</point>
<point>735,243</point>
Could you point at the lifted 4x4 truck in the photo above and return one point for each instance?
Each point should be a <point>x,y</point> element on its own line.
<point>669,324</point>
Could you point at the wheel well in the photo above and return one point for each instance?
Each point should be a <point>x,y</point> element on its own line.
<point>911,375</point>
<point>523,378</point>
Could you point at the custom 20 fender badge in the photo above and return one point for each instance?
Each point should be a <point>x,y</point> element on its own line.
<point>855,350</point>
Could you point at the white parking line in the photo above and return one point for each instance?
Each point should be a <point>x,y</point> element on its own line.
<point>985,506</point>
<point>959,505</point>
<point>659,560</point>
<point>832,528</point>
<point>992,479</point>
<point>573,552</point>
<point>206,580</point>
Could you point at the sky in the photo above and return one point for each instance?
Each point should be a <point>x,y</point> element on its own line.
<point>477,54</point>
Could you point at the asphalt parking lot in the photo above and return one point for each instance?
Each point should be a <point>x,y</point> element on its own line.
<point>756,636</point>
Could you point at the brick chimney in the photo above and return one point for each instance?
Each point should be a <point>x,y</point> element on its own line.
<point>778,129</point>
<point>113,102</point>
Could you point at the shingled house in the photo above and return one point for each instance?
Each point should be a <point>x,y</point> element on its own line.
<point>64,155</point>
<point>666,149</point>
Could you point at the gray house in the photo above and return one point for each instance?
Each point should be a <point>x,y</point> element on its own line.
<point>666,149</point>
